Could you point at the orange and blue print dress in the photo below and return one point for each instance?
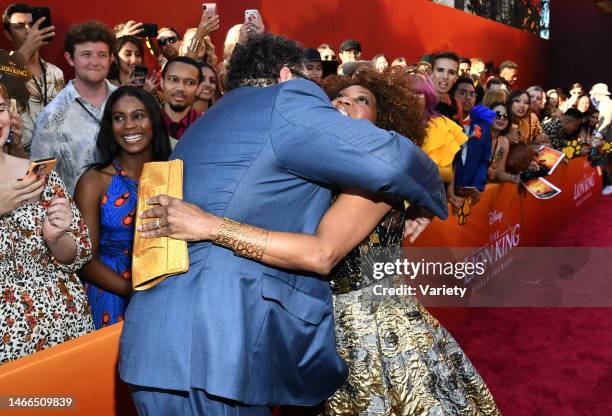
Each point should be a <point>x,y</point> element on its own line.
<point>117,221</point>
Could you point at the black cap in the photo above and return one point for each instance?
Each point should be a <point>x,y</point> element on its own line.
<point>350,44</point>
<point>312,55</point>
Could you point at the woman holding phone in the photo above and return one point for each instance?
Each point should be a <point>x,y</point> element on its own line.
<point>131,134</point>
<point>43,242</point>
<point>127,58</point>
<point>399,356</point>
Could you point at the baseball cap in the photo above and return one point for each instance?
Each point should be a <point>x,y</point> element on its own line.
<point>350,44</point>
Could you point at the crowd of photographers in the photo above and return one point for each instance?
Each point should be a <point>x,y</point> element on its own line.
<point>488,129</point>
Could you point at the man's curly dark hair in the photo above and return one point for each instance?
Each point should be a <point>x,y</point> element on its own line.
<point>262,59</point>
<point>397,106</point>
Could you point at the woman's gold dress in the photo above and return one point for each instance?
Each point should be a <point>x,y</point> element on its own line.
<point>401,360</point>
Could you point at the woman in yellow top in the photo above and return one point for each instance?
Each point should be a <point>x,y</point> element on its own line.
<point>525,124</point>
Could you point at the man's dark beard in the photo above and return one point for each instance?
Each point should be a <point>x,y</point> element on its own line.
<point>177,108</point>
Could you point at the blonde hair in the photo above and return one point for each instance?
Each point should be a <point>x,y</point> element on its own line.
<point>231,39</point>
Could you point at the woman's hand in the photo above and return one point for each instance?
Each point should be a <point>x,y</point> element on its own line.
<point>19,191</point>
<point>254,27</point>
<point>178,219</point>
<point>58,220</point>
<point>514,135</point>
<point>207,25</point>
<point>16,128</point>
<point>151,83</point>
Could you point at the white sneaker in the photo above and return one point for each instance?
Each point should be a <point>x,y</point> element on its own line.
<point>607,190</point>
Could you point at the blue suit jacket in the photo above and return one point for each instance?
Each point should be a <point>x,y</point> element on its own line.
<point>235,327</point>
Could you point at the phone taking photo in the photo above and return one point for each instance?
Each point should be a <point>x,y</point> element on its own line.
<point>250,15</point>
<point>149,30</point>
<point>42,167</point>
<point>37,13</point>
<point>210,9</point>
<point>140,74</point>
<point>140,71</point>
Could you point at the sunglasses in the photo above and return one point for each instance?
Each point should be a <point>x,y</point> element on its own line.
<point>501,116</point>
<point>169,40</point>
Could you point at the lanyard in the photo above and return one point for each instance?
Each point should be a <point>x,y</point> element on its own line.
<point>88,112</point>
<point>42,89</point>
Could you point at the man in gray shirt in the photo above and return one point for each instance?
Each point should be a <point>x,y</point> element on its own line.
<point>67,128</point>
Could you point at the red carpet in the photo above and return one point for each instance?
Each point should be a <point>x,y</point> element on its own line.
<point>545,361</point>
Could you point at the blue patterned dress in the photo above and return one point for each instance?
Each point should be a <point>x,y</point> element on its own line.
<point>117,221</point>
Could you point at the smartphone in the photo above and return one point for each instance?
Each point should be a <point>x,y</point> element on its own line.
<point>149,30</point>
<point>37,13</point>
<point>250,15</point>
<point>210,9</point>
<point>140,74</point>
<point>140,71</point>
<point>41,167</point>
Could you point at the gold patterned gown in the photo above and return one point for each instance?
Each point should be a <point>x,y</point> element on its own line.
<point>401,360</point>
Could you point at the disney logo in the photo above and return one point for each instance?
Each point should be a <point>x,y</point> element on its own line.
<point>495,216</point>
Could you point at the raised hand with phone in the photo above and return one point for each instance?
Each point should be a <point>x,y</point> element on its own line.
<point>38,35</point>
<point>209,22</point>
<point>253,25</point>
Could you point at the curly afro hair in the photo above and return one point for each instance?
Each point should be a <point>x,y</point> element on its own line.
<point>397,107</point>
<point>262,59</point>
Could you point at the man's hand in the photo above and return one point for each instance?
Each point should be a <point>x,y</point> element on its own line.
<point>35,39</point>
<point>417,220</point>
<point>131,28</point>
<point>178,219</point>
<point>16,192</point>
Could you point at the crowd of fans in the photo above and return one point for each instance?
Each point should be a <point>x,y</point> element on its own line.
<point>116,114</point>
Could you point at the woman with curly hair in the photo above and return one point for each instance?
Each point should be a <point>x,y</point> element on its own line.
<point>400,360</point>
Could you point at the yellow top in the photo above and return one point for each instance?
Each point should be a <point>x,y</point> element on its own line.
<point>530,128</point>
<point>442,142</point>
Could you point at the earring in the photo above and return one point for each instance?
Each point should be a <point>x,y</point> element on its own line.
<point>11,137</point>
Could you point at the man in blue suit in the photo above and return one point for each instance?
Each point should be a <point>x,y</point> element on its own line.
<point>472,162</point>
<point>233,336</point>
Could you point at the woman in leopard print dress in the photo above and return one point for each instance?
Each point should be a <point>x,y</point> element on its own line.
<point>43,242</point>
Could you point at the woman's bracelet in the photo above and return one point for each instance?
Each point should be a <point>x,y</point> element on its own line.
<point>243,239</point>
<point>194,45</point>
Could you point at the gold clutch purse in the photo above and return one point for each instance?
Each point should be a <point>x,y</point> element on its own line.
<point>154,259</point>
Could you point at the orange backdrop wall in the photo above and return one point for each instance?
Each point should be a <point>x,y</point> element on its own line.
<point>410,28</point>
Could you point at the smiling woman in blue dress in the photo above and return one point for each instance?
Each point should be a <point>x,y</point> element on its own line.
<point>131,134</point>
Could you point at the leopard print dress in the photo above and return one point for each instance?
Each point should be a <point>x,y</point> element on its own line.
<point>42,302</point>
